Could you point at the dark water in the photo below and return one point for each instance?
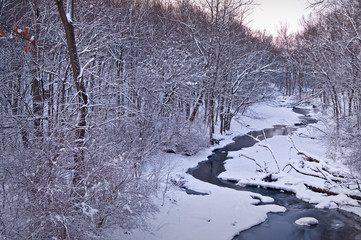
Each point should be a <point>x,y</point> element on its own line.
<point>333,224</point>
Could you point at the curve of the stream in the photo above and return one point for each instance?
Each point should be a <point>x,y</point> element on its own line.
<point>333,224</point>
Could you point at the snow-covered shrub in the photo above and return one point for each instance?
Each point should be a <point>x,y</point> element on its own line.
<point>351,142</point>
<point>185,137</point>
<point>41,200</point>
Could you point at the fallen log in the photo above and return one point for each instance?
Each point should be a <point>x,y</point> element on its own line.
<point>330,193</point>
<point>308,158</point>
<point>320,190</point>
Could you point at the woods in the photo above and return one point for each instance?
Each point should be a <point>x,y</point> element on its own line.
<point>323,62</point>
<point>96,90</point>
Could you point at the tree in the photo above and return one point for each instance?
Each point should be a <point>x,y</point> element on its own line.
<point>67,20</point>
<point>108,87</point>
<point>330,46</point>
<point>223,42</point>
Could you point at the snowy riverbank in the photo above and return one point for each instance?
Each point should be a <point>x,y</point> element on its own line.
<point>223,212</point>
<point>296,163</point>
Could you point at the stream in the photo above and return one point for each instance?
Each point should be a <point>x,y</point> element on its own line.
<point>334,224</point>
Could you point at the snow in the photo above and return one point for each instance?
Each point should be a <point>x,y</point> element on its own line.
<point>250,165</point>
<point>19,30</point>
<point>306,221</point>
<point>191,83</point>
<point>68,17</point>
<point>88,211</point>
<point>334,201</point>
<point>223,212</point>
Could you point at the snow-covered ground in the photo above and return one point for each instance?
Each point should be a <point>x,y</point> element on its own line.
<point>223,212</point>
<point>297,162</point>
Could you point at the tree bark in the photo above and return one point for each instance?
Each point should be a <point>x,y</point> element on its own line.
<point>36,84</point>
<point>196,107</point>
<point>78,81</point>
<point>67,21</point>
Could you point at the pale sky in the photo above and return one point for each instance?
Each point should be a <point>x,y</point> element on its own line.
<point>271,13</point>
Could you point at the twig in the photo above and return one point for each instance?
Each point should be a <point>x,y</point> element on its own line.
<point>293,143</point>
<point>327,178</point>
<point>307,174</point>
<point>258,165</point>
<point>266,146</point>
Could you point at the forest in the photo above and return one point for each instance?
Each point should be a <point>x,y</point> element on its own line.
<point>93,92</point>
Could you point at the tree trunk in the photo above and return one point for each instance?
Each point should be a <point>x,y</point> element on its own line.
<point>38,106</point>
<point>50,105</point>
<point>36,84</point>
<point>79,84</point>
<point>196,107</point>
<point>221,113</point>
<point>211,116</point>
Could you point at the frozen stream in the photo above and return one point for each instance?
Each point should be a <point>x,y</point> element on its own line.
<point>333,224</point>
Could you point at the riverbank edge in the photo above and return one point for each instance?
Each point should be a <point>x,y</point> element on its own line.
<point>173,195</point>
<point>340,198</point>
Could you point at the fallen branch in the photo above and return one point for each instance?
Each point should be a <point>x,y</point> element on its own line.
<point>332,174</point>
<point>254,160</point>
<point>333,178</point>
<point>324,175</point>
<point>304,173</point>
<point>320,190</point>
<point>267,147</point>
<point>308,158</point>
<point>355,197</point>
<point>293,143</point>
<point>273,156</point>
<point>269,178</point>
<point>330,193</point>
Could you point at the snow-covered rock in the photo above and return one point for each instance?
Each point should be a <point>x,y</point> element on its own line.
<point>307,221</point>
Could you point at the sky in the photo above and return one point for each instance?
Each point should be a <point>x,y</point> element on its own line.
<point>269,15</point>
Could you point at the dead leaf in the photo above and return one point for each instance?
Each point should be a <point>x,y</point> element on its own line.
<point>26,48</point>
<point>25,34</point>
